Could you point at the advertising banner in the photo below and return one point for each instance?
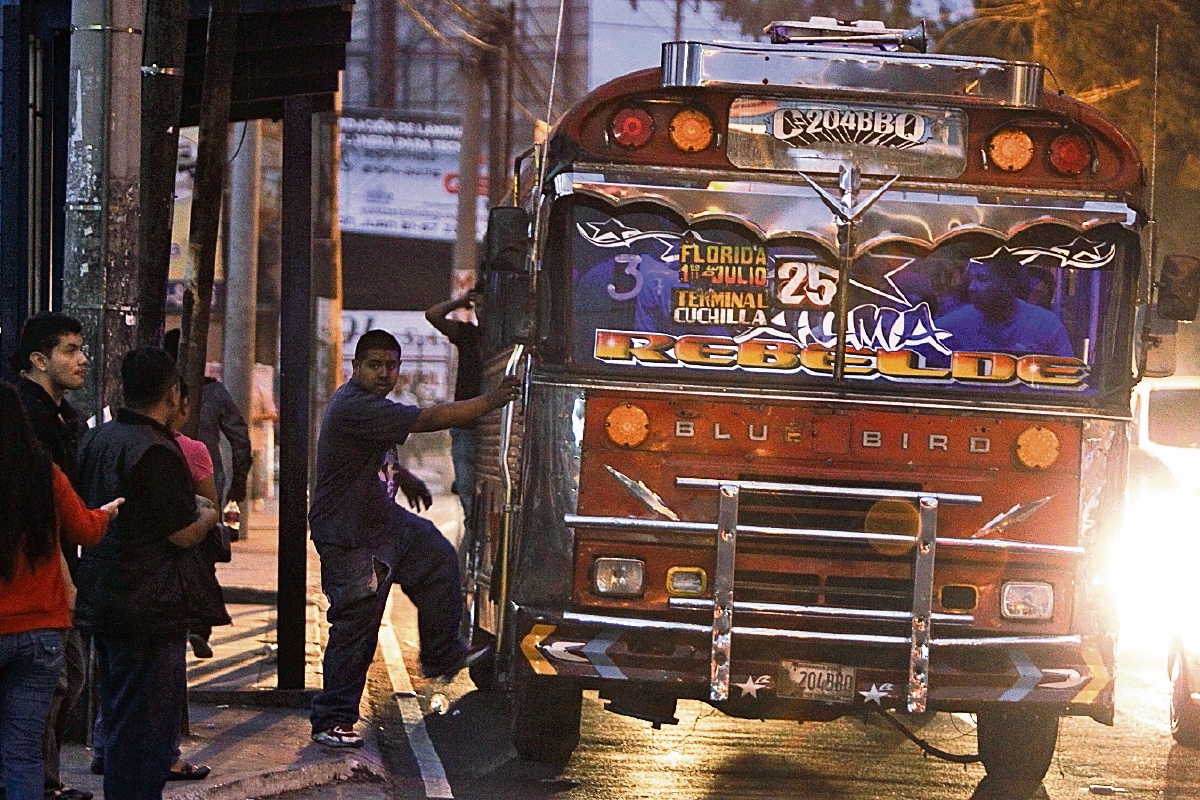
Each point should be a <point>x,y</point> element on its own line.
<point>400,178</point>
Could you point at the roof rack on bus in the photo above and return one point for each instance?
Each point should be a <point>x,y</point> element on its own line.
<point>827,30</point>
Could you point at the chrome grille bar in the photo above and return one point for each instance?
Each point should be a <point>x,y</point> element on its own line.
<point>722,609</point>
<point>668,526</point>
<point>922,603</point>
<point>822,612</point>
<point>772,487</point>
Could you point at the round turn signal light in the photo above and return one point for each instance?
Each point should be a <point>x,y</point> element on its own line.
<point>691,130</point>
<point>632,127</point>
<point>1037,447</point>
<point>627,425</point>
<point>1011,149</point>
<point>1070,154</point>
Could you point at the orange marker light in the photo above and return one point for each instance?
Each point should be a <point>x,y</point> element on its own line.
<point>1011,150</point>
<point>1037,447</point>
<point>691,130</point>
<point>627,425</point>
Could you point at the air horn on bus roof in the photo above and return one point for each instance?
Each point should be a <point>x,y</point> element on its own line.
<point>822,30</point>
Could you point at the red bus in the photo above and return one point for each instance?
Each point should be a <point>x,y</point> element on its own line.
<point>828,348</point>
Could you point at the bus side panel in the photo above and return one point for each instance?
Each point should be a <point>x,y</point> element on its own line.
<point>542,567</point>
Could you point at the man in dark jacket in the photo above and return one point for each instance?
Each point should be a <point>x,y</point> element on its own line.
<point>219,415</point>
<point>131,597</point>
<point>367,542</point>
<point>51,362</point>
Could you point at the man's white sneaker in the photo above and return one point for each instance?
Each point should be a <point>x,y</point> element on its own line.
<point>338,736</point>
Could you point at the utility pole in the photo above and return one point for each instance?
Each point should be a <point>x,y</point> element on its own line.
<point>102,201</point>
<point>497,70</point>
<point>326,265</point>
<point>207,199</point>
<point>241,270</point>
<point>162,97</point>
<point>385,66</point>
<point>468,169</point>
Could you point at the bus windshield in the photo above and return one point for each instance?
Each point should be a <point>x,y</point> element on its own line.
<point>1036,315</point>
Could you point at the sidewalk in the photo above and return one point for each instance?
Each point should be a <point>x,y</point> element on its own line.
<point>257,741</point>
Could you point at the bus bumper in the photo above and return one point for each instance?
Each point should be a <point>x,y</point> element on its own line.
<point>779,673</point>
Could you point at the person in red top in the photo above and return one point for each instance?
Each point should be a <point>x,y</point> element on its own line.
<point>35,594</point>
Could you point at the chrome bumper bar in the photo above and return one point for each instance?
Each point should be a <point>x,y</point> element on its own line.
<point>635,623</point>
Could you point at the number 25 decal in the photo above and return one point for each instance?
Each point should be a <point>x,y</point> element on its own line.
<point>799,281</point>
<point>631,262</point>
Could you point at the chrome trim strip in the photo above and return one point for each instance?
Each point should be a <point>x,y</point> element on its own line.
<point>922,603</point>
<point>820,612</point>
<point>737,393</point>
<point>1017,84</point>
<point>722,609</point>
<point>665,526</point>
<point>1008,641</point>
<point>835,491</point>
<point>635,623</point>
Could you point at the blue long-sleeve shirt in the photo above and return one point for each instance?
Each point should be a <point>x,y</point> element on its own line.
<point>351,505</point>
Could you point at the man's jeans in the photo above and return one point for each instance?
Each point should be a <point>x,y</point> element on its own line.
<point>143,685</point>
<point>66,695</point>
<point>29,667</point>
<point>464,444</point>
<point>357,581</point>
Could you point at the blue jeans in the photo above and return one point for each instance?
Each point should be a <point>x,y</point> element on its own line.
<point>357,581</point>
<point>143,685</point>
<point>464,444</point>
<point>29,665</point>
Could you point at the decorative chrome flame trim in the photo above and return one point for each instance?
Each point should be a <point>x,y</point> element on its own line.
<point>644,493</point>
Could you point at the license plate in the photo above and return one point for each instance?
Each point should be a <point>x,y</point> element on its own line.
<point>805,680</point>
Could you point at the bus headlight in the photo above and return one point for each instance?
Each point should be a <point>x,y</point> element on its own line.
<point>1027,600</point>
<point>618,577</point>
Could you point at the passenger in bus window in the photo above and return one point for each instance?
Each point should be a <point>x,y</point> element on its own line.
<point>996,319</point>
<point>1041,287</point>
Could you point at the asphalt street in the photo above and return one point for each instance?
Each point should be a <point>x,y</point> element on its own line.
<point>464,752</point>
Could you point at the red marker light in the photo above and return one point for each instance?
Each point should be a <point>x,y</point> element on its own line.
<point>632,127</point>
<point>1070,154</point>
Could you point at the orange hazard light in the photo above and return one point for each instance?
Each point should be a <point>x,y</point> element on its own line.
<point>691,130</point>
<point>1037,447</point>
<point>1011,149</point>
<point>627,425</point>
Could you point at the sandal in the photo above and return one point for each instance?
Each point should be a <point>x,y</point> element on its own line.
<point>190,772</point>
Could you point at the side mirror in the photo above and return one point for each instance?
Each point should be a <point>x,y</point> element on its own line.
<point>1160,346</point>
<point>1179,288</point>
<point>506,244</point>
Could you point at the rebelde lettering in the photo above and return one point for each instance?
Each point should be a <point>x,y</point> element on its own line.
<point>781,355</point>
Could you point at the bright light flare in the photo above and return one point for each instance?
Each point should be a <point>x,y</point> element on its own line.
<point>1153,569</point>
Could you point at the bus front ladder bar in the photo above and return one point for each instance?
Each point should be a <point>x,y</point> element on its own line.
<point>922,602</point>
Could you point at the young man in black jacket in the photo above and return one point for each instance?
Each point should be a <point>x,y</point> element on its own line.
<point>130,595</point>
<point>51,362</point>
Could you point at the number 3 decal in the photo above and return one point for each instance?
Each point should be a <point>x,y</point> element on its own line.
<point>818,282</point>
<point>631,262</point>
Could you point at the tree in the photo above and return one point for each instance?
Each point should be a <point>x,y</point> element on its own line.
<point>1102,52</point>
<point>752,15</point>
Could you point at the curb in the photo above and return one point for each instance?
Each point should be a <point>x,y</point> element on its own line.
<point>360,766</point>
<point>256,698</point>
<point>249,596</point>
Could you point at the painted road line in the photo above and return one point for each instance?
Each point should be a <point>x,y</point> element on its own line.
<point>428,762</point>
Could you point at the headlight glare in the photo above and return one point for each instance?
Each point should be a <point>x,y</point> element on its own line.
<point>618,577</point>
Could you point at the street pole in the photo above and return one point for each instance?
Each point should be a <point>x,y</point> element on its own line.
<point>327,265</point>
<point>294,348</point>
<point>241,269</point>
<point>207,199</point>
<point>468,171</point>
<point>162,96</point>
<point>102,200</point>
